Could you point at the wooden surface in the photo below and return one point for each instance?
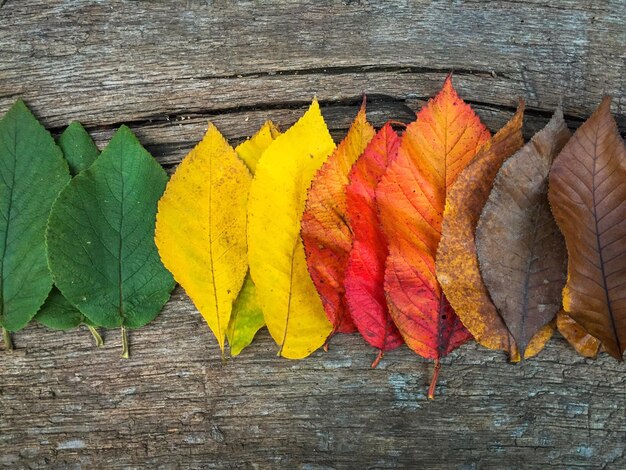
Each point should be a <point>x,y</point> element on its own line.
<point>165,68</point>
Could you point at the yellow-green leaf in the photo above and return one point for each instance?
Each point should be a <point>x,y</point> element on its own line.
<point>292,309</point>
<point>247,317</point>
<point>201,228</point>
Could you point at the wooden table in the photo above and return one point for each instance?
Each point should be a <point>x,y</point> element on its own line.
<point>165,68</point>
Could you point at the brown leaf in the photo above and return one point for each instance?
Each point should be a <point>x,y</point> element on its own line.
<point>585,344</point>
<point>520,249</point>
<point>588,198</point>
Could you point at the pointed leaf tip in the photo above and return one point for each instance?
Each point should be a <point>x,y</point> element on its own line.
<point>78,147</point>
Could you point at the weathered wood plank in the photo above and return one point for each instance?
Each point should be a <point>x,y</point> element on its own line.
<point>134,60</point>
<point>174,402</point>
<point>166,68</point>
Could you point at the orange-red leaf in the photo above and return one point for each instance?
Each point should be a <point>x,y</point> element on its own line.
<point>587,193</point>
<point>411,198</point>
<point>365,271</point>
<point>325,232</point>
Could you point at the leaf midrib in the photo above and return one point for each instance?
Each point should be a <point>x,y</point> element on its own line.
<point>211,262</point>
<point>6,232</point>
<point>120,270</point>
<point>293,256</point>
<point>598,244</point>
<point>527,275</point>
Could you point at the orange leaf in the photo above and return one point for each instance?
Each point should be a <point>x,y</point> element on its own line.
<point>411,198</point>
<point>457,261</point>
<point>325,232</point>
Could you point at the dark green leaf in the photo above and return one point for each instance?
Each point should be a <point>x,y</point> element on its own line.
<point>78,147</point>
<point>80,152</point>
<point>101,237</point>
<point>32,172</point>
<point>57,313</point>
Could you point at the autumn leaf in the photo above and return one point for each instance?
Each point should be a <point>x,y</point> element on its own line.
<point>411,197</point>
<point>521,251</point>
<point>457,261</point>
<point>587,192</point>
<point>325,232</point>
<point>32,172</point>
<point>292,309</point>
<point>365,270</point>
<point>585,344</point>
<point>201,228</point>
<point>250,151</point>
<point>247,317</point>
<point>100,238</point>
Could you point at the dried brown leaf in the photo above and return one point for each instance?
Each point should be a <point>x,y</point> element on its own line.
<point>587,193</point>
<point>521,251</point>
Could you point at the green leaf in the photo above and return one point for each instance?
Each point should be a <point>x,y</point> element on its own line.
<point>78,147</point>
<point>58,313</point>
<point>80,152</point>
<point>246,318</point>
<point>101,237</point>
<point>32,172</point>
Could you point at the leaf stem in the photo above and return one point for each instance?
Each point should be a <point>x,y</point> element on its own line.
<point>433,382</point>
<point>330,335</point>
<point>8,342</point>
<point>125,353</point>
<point>96,336</point>
<point>381,353</point>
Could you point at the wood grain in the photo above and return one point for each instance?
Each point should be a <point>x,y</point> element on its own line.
<point>165,68</point>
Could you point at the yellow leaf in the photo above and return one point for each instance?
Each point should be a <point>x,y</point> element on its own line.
<point>292,309</point>
<point>247,318</point>
<point>251,150</point>
<point>201,228</point>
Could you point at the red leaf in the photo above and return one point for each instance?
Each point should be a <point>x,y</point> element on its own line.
<point>365,272</point>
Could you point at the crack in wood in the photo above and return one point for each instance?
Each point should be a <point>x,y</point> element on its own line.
<point>358,69</point>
